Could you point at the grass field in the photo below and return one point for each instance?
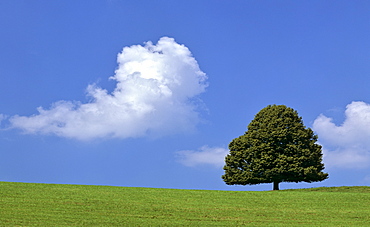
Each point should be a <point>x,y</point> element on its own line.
<point>23,204</point>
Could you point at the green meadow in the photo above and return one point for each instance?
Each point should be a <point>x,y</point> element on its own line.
<point>25,204</point>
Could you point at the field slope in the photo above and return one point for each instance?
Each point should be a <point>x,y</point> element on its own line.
<point>24,204</point>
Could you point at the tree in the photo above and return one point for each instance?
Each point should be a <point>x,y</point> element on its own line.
<point>276,148</point>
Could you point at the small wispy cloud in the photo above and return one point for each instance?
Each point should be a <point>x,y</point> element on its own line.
<point>2,117</point>
<point>346,145</point>
<point>154,95</point>
<point>205,155</point>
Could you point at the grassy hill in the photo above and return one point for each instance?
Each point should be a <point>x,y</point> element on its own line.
<point>23,204</point>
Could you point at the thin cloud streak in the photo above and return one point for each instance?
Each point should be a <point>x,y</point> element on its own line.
<point>214,156</point>
<point>2,118</point>
<point>155,95</point>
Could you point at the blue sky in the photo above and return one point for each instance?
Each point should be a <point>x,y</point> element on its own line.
<point>143,94</point>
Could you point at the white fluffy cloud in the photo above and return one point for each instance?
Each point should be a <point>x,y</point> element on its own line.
<point>205,155</point>
<point>154,95</point>
<point>347,145</point>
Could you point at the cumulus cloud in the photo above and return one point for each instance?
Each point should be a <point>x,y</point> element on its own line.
<point>346,145</point>
<point>155,94</point>
<point>205,155</point>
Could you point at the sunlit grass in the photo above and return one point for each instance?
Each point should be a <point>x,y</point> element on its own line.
<point>75,205</point>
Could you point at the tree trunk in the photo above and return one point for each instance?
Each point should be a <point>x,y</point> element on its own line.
<point>276,185</point>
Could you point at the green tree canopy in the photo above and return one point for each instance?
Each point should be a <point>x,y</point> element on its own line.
<point>276,148</point>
